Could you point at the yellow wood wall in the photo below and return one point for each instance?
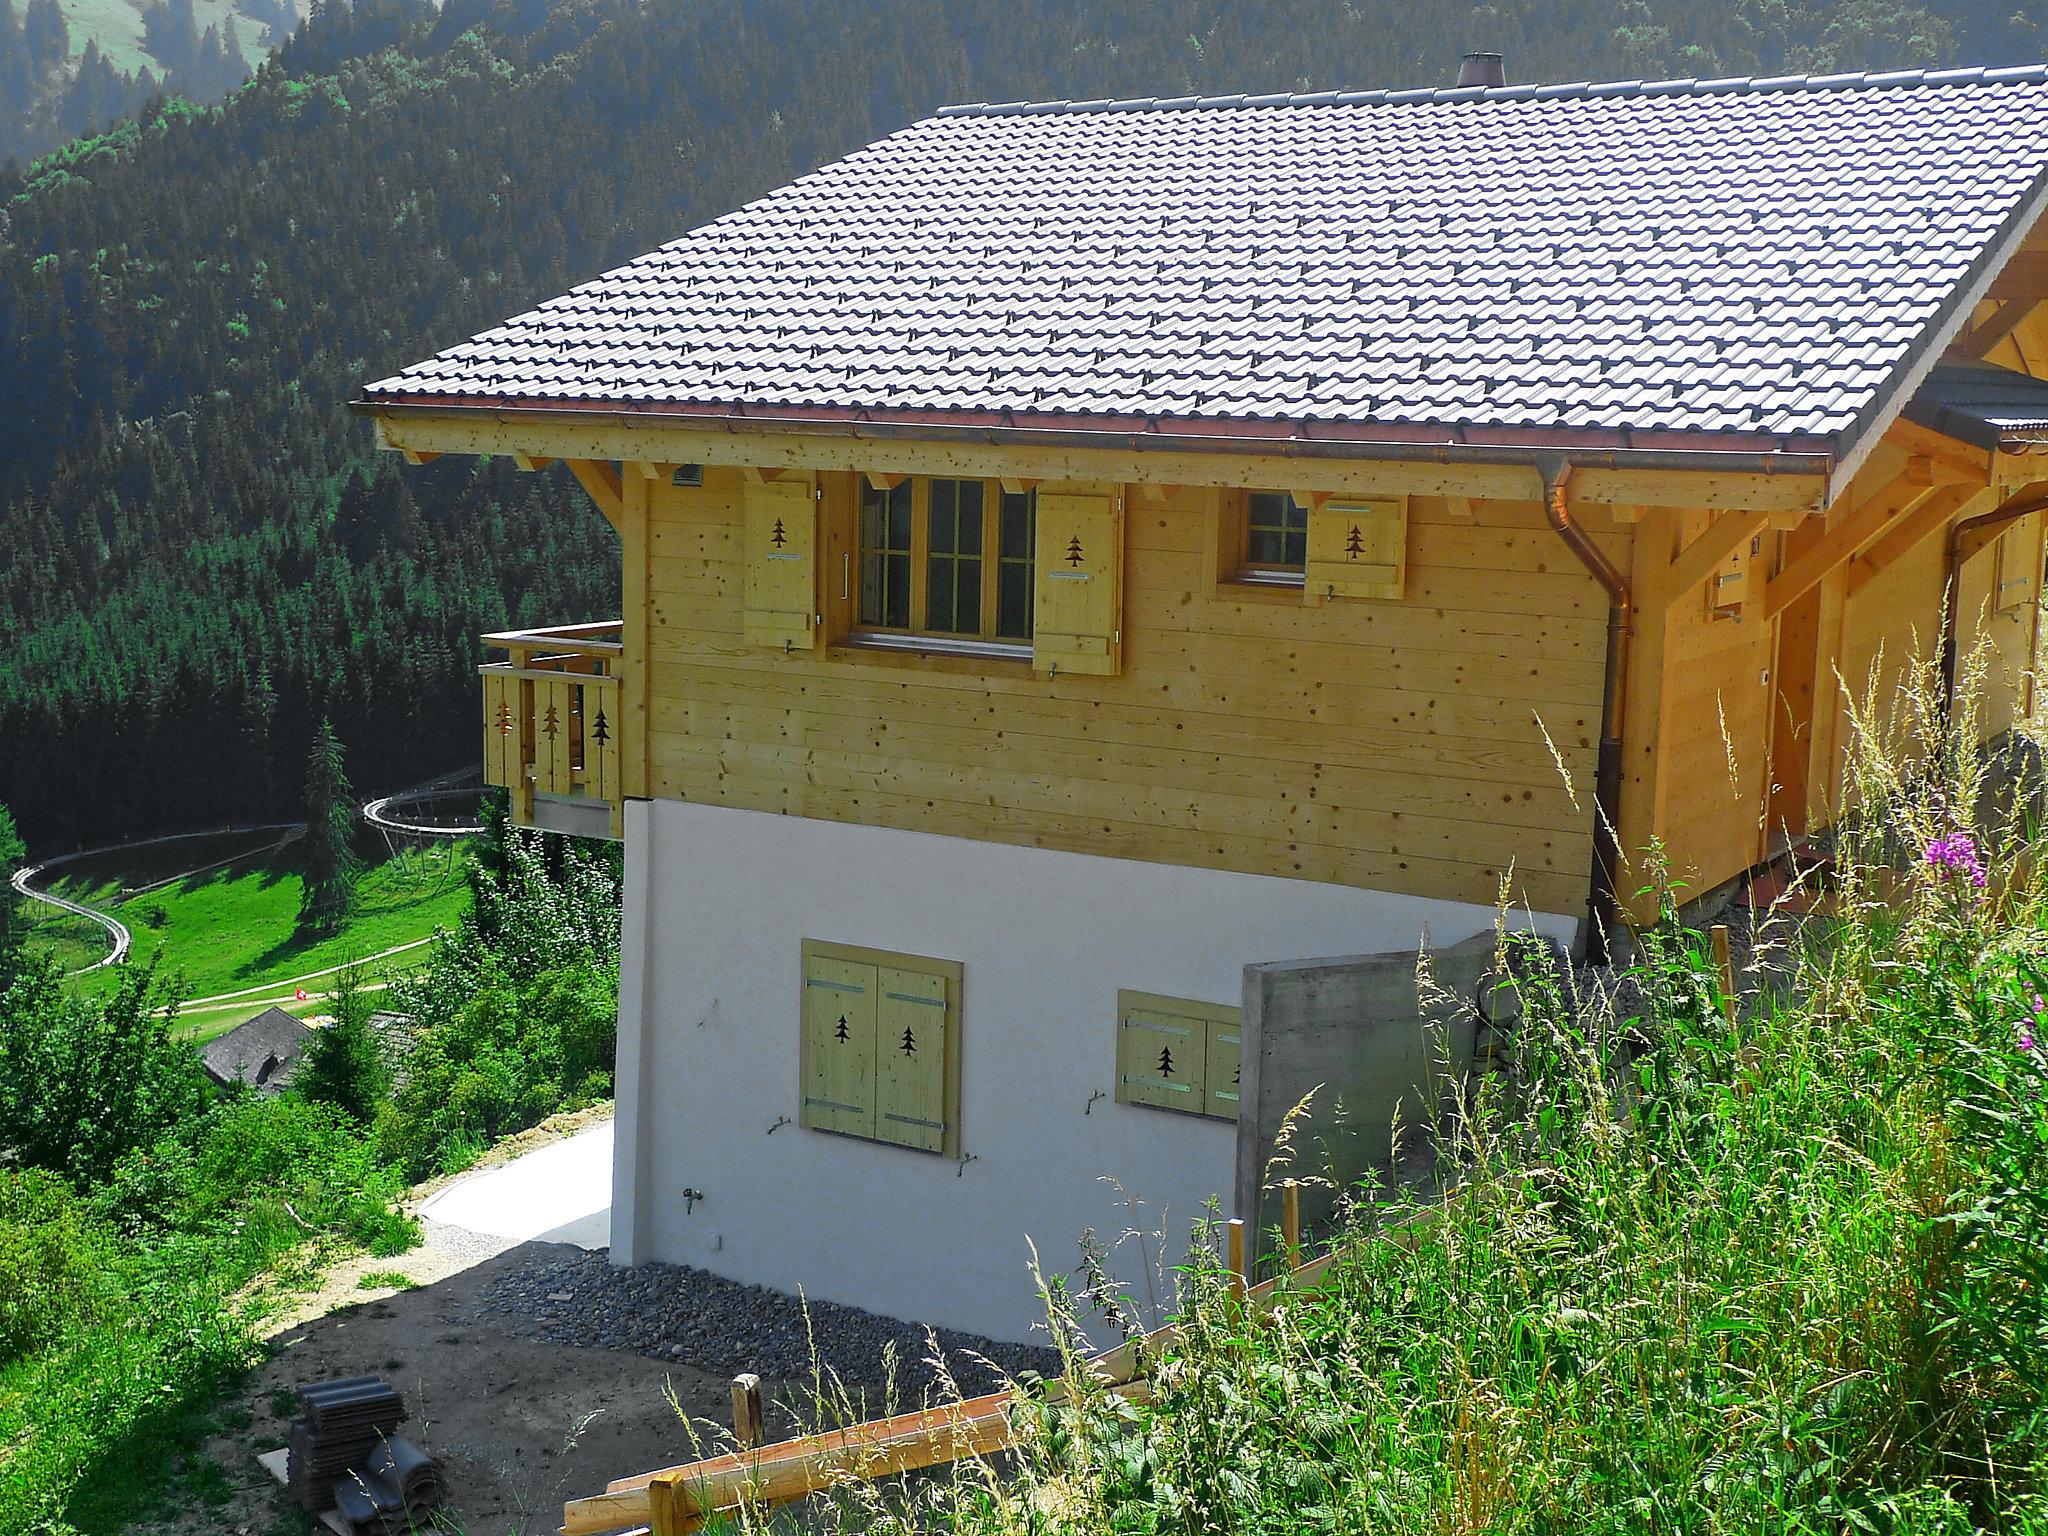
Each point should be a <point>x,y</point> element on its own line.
<point>1386,745</point>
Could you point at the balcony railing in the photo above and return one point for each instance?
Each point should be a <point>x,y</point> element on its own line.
<point>552,727</point>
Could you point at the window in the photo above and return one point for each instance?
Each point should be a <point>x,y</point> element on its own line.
<point>947,559</point>
<point>1172,1053</point>
<point>1264,538</point>
<point>879,1051</point>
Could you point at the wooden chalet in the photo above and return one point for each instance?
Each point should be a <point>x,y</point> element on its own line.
<point>1074,551</point>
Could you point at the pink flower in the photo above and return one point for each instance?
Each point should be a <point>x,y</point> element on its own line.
<point>1956,855</point>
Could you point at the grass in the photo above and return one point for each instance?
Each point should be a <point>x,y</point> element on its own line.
<point>235,928</point>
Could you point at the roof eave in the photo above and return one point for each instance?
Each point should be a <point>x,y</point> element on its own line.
<point>1748,453</point>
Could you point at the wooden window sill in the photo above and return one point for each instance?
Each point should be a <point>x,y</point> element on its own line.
<point>1258,586</point>
<point>966,654</point>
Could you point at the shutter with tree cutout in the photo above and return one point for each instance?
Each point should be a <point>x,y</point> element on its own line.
<point>1077,625</point>
<point>780,561</point>
<point>1356,549</point>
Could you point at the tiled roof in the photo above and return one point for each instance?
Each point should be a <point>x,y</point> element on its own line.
<point>1770,259</point>
<point>263,1052</point>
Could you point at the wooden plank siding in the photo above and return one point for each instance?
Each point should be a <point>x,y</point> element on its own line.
<point>1386,745</point>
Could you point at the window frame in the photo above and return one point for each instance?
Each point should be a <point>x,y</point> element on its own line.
<point>1239,568</point>
<point>952,972</point>
<point>918,635</point>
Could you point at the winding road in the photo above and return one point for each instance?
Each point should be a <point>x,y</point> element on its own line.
<point>117,931</point>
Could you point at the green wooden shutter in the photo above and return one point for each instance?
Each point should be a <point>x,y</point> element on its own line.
<point>1222,1069</point>
<point>839,1046</point>
<point>911,1049</point>
<point>1160,1059</point>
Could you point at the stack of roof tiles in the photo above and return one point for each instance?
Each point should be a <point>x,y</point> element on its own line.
<point>1696,261</point>
<point>344,1450</point>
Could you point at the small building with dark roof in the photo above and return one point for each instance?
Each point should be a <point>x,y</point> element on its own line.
<point>262,1053</point>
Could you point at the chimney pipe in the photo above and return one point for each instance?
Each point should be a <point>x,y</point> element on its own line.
<point>1483,69</point>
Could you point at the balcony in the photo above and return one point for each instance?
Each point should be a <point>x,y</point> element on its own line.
<point>552,727</point>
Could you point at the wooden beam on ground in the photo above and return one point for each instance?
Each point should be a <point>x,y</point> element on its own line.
<point>1722,539</point>
<point>1840,542</point>
<point>1978,341</point>
<point>1929,516</point>
<point>601,483</point>
<point>676,1500</point>
<point>749,1419</point>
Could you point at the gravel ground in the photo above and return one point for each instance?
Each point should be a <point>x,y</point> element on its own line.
<point>672,1312</point>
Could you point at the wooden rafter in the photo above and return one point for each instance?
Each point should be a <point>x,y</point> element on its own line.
<point>1928,516</point>
<point>1978,341</point>
<point>601,483</point>
<point>1839,543</point>
<point>528,462</point>
<point>885,482</point>
<point>1724,536</point>
<point>417,456</point>
<point>1950,460</point>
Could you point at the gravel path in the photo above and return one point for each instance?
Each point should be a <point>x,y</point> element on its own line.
<point>676,1313</point>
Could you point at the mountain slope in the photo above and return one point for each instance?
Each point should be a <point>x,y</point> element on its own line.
<point>199,554</point>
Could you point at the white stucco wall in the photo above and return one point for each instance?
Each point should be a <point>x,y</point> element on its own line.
<point>718,903</point>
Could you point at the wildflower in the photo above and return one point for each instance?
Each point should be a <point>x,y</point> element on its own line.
<point>1956,855</point>
<point>2026,1038</point>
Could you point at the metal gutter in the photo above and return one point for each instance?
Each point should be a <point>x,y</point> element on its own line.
<point>1532,454</point>
<point>1601,886</point>
<point>1952,571</point>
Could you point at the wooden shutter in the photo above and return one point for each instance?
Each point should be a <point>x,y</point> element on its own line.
<point>780,557</point>
<point>1220,1069</point>
<point>1077,623</point>
<point>911,1047</point>
<point>1160,1057</point>
<point>1356,549</point>
<point>2018,571</point>
<point>840,1017</point>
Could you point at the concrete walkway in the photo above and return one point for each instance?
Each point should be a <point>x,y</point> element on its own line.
<point>559,1193</point>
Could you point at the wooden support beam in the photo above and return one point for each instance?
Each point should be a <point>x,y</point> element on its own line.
<point>527,463</point>
<point>885,482</point>
<point>1290,1223</point>
<point>1016,487</point>
<point>601,483</point>
<point>1978,341</point>
<point>1839,543</point>
<point>654,469</point>
<point>418,456</point>
<point>1722,539</point>
<point>1929,516</point>
<point>1724,966</point>
<point>1237,1259</point>
<point>767,476</point>
<point>1950,460</point>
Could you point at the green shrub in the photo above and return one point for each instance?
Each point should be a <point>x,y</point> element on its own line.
<point>54,1260</point>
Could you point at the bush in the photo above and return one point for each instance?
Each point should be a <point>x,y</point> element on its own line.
<point>54,1260</point>
<point>84,1082</point>
<point>516,1017</point>
<point>344,1063</point>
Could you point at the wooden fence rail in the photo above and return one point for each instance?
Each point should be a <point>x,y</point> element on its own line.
<point>677,1500</point>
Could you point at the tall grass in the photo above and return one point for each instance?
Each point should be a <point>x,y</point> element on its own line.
<point>1782,1268</point>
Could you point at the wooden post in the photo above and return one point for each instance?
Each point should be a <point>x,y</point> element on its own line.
<point>1235,1252</point>
<point>1725,964</point>
<point>749,1428</point>
<point>1290,1222</point>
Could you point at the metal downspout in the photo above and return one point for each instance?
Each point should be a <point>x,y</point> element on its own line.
<point>1952,578</point>
<point>1601,894</point>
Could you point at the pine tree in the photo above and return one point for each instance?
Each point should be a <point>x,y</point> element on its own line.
<point>13,916</point>
<point>330,865</point>
<point>345,1064</point>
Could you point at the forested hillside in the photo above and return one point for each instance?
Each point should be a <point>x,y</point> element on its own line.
<point>73,66</point>
<point>200,556</point>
